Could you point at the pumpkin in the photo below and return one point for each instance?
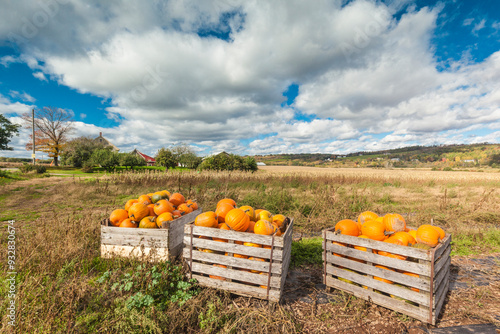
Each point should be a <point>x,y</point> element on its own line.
<point>129,203</point>
<point>117,216</point>
<point>365,216</point>
<point>128,223</point>
<point>249,211</point>
<point>374,230</point>
<point>408,236</point>
<point>228,201</point>
<point>237,220</point>
<point>394,222</point>
<point>279,219</point>
<point>148,222</point>
<point>177,199</point>
<point>394,241</point>
<point>257,214</point>
<point>176,214</point>
<point>403,237</point>
<point>347,227</point>
<point>218,277</point>
<point>413,233</point>
<point>165,194</point>
<point>238,256</point>
<point>251,225</point>
<point>442,234</point>
<point>222,210</point>
<point>151,210</point>
<point>138,211</point>
<point>264,215</point>
<point>156,197</point>
<point>163,206</point>
<point>192,205</point>
<point>206,219</point>
<point>164,217</point>
<point>413,275</point>
<point>251,244</point>
<point>380,278</point>
<point>184,209</point>
<point>263,227</point>
<point>277,229</point>
<point>144,199</point>
<point>428,235</point>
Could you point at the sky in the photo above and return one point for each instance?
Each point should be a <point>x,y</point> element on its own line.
<point>256,77</point>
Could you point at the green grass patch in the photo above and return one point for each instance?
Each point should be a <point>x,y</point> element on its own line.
<point>307,251</point>
<point>487,241</point>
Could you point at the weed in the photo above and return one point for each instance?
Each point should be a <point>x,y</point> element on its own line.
<point>307,251</point>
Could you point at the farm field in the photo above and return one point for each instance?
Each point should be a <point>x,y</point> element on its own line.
<point>65,286</point>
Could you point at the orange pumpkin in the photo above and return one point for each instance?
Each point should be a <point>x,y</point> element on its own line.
<point>251,226</point>
<point>374,230</point>
<point>163,206</point>
<point>428,235</point>
<point>128,223</point>
<point>148,222</point>
<point>228,201</point>
<point>144,199</point>
<point>206,219</point>
<point>164,217</point>
<point>365,216</point>
<point>184,209</point>
<point>249,211</point>
<point>165,194</point>
<point>264,227</point>
<point>237,219</point>
<point>222,210</point>
<point>347,227</point>
<point>405,236</point>
<point>276,229</point>
<point>264,215</point>
<point>177,199</point>
<point>129,203</point>
<point>151,208</point>
<point>138,211</point>
<point>394,222</point>
<point>117,216</point>
<point>192,205</point>
<point>442,234</point>
<point>251,244</point>
<point>394,241</point>
<point>176,214</point>
<point>279,219</point>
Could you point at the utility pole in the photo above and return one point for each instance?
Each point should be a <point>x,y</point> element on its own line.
<point>33,129</point>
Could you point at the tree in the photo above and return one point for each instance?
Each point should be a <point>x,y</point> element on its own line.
<point>79,150</point>
<point>166,158</point>
<point>52,125</point>
<point>131,160</point>
<point>225,161</point>
<point>7,131</point>
<point>189,160</point>
<point>105,158</point>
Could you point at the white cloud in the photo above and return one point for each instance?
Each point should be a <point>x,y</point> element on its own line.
<point>40,76</point>
<point>479,26</point>
<point>21,96</point>
<point>468,22</point>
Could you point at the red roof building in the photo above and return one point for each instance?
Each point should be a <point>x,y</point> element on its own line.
<point>149,160</point>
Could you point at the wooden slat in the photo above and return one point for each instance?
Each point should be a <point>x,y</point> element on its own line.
<point>414,282</point>
<point>233,235</point>
<point>231,261</point>
<point>379,245</point>
<point>379,299</point>
<point>134,240</point>
<point>440,303</point>
<point>413,267</point>
<point>442,290</point>
<point>155,254</point>
<point>441,247</point>
<point>442,261</point>
<point>238,288</point>
<point>238,275</point>
<point>392,289</point>
<point>234,248</point>
<point>152,232</point>
<point>442,274</point>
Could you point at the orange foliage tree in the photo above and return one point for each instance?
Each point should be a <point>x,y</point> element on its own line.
<point>52,126</point>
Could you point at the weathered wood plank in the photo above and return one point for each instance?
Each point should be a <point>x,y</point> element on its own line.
<point>379,245</point>
<point>441,247</point>
<point>440,302</point>
<point>234,248</point>
<point>442,290</point>
<point>414,282</point>
<point>234,274</point>
<point>134,240</point>
<point>238,288</point>
<point>379,299</point>
<point>153,254</point>
<point>420,269</point>
<point>392,289</point>
<point>442,261</point>
<point>438,278</point>
<point>233,235</point>
<point>152,232</point>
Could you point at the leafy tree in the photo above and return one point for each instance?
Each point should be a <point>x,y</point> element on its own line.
<point>105,158</point>
<point>52,125</point>
<point>224,161</point>
<point>166,158</point>
<point>79,150</point>
<point>189,160</point>
<point>7,131</point>
<point>131,160</point>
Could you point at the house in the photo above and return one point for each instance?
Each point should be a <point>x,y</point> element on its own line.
<point>149,160</point>
<point>103,140</point>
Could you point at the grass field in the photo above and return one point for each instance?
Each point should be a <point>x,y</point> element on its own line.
<point>64,285</point>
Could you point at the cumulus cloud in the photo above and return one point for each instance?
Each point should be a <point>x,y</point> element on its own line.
<point>171,78</point>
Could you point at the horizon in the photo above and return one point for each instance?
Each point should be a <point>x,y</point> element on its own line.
<point>256,78</point>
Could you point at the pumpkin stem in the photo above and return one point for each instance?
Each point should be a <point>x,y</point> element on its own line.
<point>337,232</point>
<point>388,233</point>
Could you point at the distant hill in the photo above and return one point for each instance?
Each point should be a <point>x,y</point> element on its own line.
<point>442,156</point>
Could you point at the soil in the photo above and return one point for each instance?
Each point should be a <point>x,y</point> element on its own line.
<point>474,298</point>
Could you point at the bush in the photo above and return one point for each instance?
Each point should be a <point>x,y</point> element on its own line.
<point>447,169</point>
<point>87,167</point>
<point>26,168</point>
<point>225,161</point>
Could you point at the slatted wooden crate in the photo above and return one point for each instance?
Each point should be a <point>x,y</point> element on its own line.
<point>237,276</point>
<point>432,266</point>
<point>154,244</point>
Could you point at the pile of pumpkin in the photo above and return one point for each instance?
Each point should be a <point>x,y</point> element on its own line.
<point>228,216</point>
<point>390,228</point>
<point>152,210</point>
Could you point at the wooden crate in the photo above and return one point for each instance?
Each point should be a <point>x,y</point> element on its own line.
<point>238,278</point>
<point>154,244</point>
<point>432,266</point>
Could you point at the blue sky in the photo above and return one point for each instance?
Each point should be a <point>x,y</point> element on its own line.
<point>256,77</point>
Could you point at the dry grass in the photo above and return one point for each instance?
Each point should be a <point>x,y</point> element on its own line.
<point>58,233</point>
